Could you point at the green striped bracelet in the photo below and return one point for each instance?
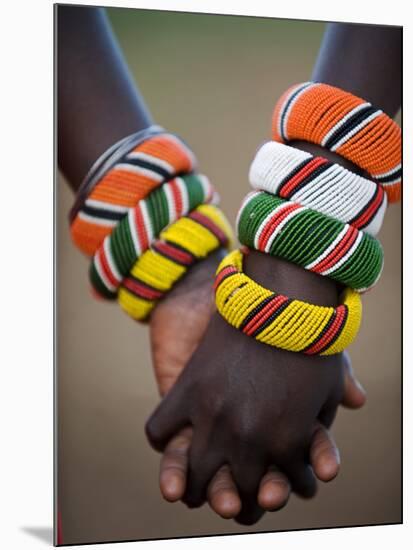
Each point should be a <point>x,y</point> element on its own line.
<point>310,239</point>
<point>143,223</point>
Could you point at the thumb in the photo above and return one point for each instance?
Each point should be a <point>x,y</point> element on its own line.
<point>354,395</point>
<point>169,417</point>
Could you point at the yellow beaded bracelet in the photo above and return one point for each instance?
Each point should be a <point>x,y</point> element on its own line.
<point>179,246</point>
<point>280,321</point>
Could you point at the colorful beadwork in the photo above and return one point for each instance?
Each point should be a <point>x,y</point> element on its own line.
<point>182,244</point>
<point>139,171</point>
<point>279,321</point>
<point>345,124</point>
<point>321,185</point>
<point>310,239</point>
<point>137,230</point>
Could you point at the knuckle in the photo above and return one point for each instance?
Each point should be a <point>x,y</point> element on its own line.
<point>153,433</point>
<point>238,427</point>
<point>248,437</point>
<point>213,405</point>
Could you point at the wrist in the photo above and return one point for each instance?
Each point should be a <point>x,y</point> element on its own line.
<point>287,278</point>
<point>200,275</point>
<point>317,150</point>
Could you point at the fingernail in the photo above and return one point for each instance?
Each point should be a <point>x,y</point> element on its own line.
<point>360,387</point>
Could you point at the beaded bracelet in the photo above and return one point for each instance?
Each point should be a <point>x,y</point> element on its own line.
<point>310,239</point>
<point>329,188</point>
<point>142,224</point>
<point>345,124</point>
<point>150,159</point>
<point>106,161</point>
<point>280,321</point>
<point>181,245</point>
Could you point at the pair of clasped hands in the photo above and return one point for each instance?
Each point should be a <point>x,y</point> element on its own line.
<point>242,424</point>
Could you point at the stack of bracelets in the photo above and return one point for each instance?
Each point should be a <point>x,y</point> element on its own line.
<point>316,214</point>
<point>145,216</point>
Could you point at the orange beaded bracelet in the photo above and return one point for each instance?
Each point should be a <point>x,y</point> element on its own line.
<point>153,157</point>
<point>345,124</point>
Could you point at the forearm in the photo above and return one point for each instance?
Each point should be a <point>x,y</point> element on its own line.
<point>364,60</point>
<point>98,102</point>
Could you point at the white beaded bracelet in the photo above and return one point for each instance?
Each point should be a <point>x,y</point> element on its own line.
<point>321,185</point>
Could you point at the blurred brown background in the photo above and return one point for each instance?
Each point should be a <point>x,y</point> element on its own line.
<point>213,80</point>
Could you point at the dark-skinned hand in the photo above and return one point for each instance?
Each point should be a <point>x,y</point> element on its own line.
<point>177,326</point>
